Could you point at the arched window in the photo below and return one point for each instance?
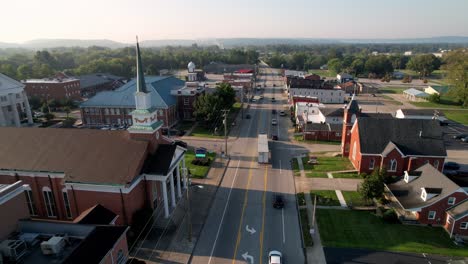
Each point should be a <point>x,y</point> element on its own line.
<point>66,202</point>
<point>371,164</point>
<point>30,201</point>
<point>49,202</point>
<point>436,164</point>
<point>393,165</point>
<point>354,150</point>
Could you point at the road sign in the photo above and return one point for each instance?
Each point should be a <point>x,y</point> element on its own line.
<point>200,153</point>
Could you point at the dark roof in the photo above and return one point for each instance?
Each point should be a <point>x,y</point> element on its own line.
<point>375,134</point>
<point>377,115</point>
<point>84,155</point>
<point>409,194</point>
<point>323,127</point>
<point>96,215</point>
<point>345,75</point>
<point>95,79</point>
<point>96,245</point>
<point>459,210</point>
<point>332,111</point>
<point>353,107</point>
<point>421,112</point>
<point>160,162</point>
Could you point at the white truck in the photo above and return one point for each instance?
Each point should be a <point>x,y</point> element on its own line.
<point>263,151</point>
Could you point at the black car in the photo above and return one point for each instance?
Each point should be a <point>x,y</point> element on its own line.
<point>247,116</point>
<point>460,136</point>
<point>278,201</point>
<point>273,111</point>
<point>451,166</point>
<point>273,99</point>
<point>274,137</point>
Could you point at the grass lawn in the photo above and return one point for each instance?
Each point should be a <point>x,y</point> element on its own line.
<point>353,198</point>
<point>392,90</point>
<point>391,100</point>
<point>327,164</point>
<point>195,170</point>
<point>362,229</point>
<point>323,73</point>
<point>306,228</point>
<point>327,198</point>
<point>460,116</point>
<point>445,102</point>
<point>348,175</point>
<point>295,167</point>
<point>200,131</point>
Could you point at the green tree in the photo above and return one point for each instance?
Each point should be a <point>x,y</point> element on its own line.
<point>373,185</point>
<point>207,108</point>
<point>335,65</point>
<point>24,72</point>
<point>457,67</point>
<point>225,95</point>
<point>379,65</point>
<point>8,70</point>
<point>434,98</point>
<point>357,66</point>
<point>424,64</point>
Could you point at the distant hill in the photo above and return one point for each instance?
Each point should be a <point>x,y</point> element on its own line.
<point>223,42</point>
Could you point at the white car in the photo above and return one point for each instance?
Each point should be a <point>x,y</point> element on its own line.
<point>282,113</point>
<point>274,122</point>
<point>275,257</point>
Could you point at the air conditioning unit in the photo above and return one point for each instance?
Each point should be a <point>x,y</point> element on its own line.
<point>53,246</point>
<point>13,249</point>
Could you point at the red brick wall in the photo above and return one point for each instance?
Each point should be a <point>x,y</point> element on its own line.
<point>54,90</point>
<point>401,163</point>
<point>416,162</point>
<point>457,230</point>
<point>111,256</point>
<point>351,139</point>
<point>440,207</point>
<point>10,212</point>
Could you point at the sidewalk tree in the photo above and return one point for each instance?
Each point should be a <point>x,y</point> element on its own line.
<point>372,186</point>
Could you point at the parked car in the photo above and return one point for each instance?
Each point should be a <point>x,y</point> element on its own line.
<point>273,99</point>
<point>274,137</point>
<point>451,166</point>
<point>460,136</point>
<point>261,96</point>
<point>275,257</point>
<point>274,122</point>
<point>465,139</point>
<point>278,201</point>
<point>282,113</point>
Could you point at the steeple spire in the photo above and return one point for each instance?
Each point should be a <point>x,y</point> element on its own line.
<point>141,84</point>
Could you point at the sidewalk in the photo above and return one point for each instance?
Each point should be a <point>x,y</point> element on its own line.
<point>315,253</point>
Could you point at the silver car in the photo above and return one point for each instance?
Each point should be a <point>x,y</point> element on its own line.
<point>275,257</point>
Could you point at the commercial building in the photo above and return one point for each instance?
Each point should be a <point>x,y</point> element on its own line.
<point>59,88</point>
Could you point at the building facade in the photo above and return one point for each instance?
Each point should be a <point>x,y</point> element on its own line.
<point>57,88</point>
<point>14,104</point>
<point>91,84</point>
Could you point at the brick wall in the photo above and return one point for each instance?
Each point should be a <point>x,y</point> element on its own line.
<point>440,207</point>
<point>54,90</point>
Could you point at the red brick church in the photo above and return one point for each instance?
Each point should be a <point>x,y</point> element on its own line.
<point>67,171</point>
<point>378,141</point>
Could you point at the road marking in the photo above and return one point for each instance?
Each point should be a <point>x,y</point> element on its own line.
<point>265,177</point>
<point>246,198</point>
<point>250,230</point>
<point>224,212</point>
<point>282,216</point>
<point>249,257</point>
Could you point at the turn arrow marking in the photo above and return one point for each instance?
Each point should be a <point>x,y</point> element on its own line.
<point>247,256</point>
<point>250,230</point>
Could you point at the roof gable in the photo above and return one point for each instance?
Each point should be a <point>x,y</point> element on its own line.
<point>9,85</point>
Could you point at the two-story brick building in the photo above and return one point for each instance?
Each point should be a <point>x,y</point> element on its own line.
<point>427,196</point>
<point>58,88</point>
<point>394,144</point>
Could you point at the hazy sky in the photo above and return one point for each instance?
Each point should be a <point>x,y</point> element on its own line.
<point>121,20</point>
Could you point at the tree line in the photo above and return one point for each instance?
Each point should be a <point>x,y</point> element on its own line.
<point>23,64</point>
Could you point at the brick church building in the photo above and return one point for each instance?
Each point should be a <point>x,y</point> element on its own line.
<point>68,171</point>
<point>376,141</point>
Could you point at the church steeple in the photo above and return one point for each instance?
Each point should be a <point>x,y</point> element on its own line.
<point>141,84</point>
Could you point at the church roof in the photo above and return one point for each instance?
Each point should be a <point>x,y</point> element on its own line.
<point>159,87</point>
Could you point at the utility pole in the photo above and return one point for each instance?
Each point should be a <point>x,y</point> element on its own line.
<point>225,112</point>
<point>189,215</point>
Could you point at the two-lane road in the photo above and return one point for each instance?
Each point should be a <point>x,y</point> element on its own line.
<point>242,225</point>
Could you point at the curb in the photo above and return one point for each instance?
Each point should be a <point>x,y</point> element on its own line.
<point>304,249</point>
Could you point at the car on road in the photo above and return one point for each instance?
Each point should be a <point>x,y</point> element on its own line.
<point>275,257</point>
<point>273,99</point>
<point>278,201</point>
<point>261,96</point>
<point>460,136</point>
<point>274,137</point>
<point>247,116</point>
<point>274,85</point>
<point>274,122</point>
<point>451,166</point>
<point>273,111</point>
<point>253,100</point>
<point>282,113</point>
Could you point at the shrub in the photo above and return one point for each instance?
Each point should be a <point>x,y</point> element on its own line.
<point>301,199</point>
<point>390,216</point>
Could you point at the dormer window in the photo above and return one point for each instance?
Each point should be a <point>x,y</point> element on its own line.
<point>451,200</point>
<point>423,194</point>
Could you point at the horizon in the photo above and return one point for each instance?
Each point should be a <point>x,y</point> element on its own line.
<point>208,19</point>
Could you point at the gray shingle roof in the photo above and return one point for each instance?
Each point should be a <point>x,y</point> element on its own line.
<point>459,210</point>
<point>332,111</point>
<point>375,135</point>
<point>421,112</point>
<point>409,194</point>
<point>159,87</point>
<point>95,79</point>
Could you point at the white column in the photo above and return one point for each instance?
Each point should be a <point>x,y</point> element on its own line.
<point>3,121</point>
<point>15,110</point>
<point>179,193</point>
<point>165,198</point>
<point>28,108</point>
<point>185,173</point>
<point>171,180</point>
